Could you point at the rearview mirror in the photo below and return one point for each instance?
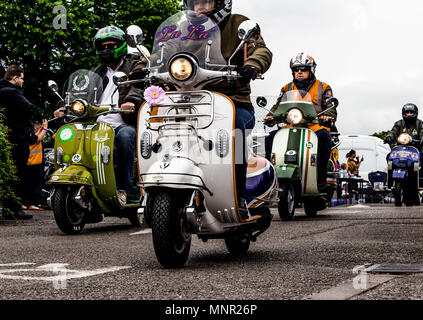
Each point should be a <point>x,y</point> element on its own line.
<point>261,102</point>
<point>135,36</point>
<point>52,85</point>
<point>249,31</point>
<point>333,102</point>
<point>119,77</point>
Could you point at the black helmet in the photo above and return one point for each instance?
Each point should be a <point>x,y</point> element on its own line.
<point>220,12</point>
<point>110,33</point>
<point>410,107</point>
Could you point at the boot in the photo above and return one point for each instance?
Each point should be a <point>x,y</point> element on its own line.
<point>242,207</point>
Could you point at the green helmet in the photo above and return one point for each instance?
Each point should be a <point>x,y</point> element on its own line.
<point>111,33</point>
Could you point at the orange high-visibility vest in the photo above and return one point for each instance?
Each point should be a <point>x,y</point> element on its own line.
<point>35,154</point>
<point>315,94</point>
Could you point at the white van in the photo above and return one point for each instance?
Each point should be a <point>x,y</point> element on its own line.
<point>372,148</point>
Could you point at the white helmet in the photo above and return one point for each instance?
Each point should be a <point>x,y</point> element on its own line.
<point>303,60</point>
<point>133,52</point>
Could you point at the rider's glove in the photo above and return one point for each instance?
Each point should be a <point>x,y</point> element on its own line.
<point>388,140</point>
<point>248,73</point>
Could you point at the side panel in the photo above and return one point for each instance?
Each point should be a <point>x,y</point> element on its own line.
<point>261,180</point>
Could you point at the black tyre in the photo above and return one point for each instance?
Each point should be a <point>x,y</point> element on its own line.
<point>171,242</point>
<point>237,245</point>
<point>69,217</point>
<point>310,209</point>
<point>286,206</point>
<point>398,193</point>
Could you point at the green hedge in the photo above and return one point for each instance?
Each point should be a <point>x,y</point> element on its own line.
<point>7,169</point>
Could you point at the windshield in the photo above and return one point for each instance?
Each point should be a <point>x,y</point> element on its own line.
<point>83,84</point>
<point>294,96</point>
<point>188,33</point>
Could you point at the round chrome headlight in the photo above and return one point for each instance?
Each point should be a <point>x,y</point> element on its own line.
<point>405,138</point>
<point>295,116</point>
<point>79,107</point>
<point>181,69</point>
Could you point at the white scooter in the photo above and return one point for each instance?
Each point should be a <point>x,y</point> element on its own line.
<point>186,146</point>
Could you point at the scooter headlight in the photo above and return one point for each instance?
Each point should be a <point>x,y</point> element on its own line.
<point>405,138</point>
<point>181,69</point>
<point>295,116</point>
<point>79,107</point>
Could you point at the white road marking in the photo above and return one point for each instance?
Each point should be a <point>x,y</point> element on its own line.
<point>145,231</point>
<point>62,273</point>
<point>16,264</point>
<point>352,287</point>
<point>358,206</point>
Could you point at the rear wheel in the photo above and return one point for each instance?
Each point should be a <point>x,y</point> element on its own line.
<point>171,240</point>
<point>310,209</point>
<point>237,245</point>
<point>70,218</point>
<point>136,219</point>
<point>398,193</point>
<point>286,206</point>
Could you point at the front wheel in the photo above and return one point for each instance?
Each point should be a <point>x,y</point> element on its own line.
<point>70,218</point>
<point>286,206</point>
<point>398,193</point>
<point>170,239</point>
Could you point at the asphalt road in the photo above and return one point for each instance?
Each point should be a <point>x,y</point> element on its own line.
<point>303,259</point>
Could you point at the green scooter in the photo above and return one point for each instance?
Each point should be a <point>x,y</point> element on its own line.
<point>84,178</point>
<point>294,155</point>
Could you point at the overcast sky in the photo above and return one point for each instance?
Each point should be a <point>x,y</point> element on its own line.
<point>368,51</point>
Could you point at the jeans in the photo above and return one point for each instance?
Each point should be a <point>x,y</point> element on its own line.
<point>323,155</point>
<point>244,124</point>
<point>125,142</point>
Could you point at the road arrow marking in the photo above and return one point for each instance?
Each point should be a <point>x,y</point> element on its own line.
<point>145,231</point>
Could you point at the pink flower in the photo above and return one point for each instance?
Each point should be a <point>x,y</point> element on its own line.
<point>154,95</point>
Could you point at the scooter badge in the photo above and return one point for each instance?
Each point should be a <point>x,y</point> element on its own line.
<point>66,134</point>
<point>101,139</point>
<point>76,158</point>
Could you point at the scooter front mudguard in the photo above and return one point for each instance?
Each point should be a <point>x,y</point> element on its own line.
<point>288,171</point>
<point>178,173</point>
<point>73,174</point>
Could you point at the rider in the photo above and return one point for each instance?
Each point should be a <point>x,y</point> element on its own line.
<point>414,127</point>
<point>111,47</point>
<point>303,68</point>
<point>255,59</point>
<point>409,124</point>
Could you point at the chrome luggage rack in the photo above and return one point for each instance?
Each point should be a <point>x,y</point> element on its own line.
<point>185,105</point>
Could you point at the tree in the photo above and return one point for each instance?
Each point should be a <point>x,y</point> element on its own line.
<point>51,39</point>
<point>382,135</point>
<point>7,170</point>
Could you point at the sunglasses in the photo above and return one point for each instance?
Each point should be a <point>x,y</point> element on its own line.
<point>302,69</point>
<point>107,46</point>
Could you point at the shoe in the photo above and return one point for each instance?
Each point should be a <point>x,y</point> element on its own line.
<point>35,208</point>
<point>20,215</point>
<point>242,208</point>
<point>121,195</point>
<point>133,196</point>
